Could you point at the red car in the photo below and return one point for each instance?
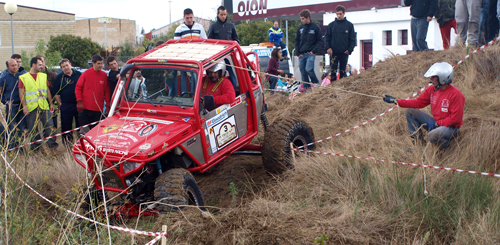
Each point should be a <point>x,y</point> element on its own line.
<point>158,130</point>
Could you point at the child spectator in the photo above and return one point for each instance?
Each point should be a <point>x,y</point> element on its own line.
<point>326,78</point>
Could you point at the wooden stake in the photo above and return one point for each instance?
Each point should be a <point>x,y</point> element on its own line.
<point>293,152</point>
<point>164,239</point>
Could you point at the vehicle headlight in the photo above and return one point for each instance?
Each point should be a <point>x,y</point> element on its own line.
<point>82,159</point>
<point>129,166</point>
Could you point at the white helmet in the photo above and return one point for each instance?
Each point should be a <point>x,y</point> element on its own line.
<point>221,66</point>
<point>443,71</point>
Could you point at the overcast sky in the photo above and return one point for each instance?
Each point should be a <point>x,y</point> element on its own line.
<point>147,13</point>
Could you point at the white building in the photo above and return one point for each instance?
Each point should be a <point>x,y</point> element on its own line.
<point>382,33</point>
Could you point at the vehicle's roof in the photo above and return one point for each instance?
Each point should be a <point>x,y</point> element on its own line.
<point>187,51</point>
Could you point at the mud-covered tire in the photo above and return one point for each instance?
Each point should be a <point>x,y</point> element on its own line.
<point>92,201</point>
<point>276,152</point>
<point>177,188</point>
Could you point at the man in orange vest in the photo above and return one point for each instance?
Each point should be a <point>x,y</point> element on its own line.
<point>37,101</point>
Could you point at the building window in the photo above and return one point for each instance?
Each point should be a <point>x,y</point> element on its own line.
<point>387,37</point>
<point>403,37</point>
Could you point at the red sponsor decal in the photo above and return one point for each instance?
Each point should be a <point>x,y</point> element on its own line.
<point>237,101</point>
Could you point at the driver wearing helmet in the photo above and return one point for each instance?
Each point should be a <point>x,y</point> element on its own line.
<point>216,89</point>
<point>447,107</point>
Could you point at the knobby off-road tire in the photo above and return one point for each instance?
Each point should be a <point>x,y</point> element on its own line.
<point>276,152</point>
<point>92,200</point>
<point>177,187</point>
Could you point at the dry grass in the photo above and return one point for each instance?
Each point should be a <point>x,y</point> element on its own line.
<point>351,201</point>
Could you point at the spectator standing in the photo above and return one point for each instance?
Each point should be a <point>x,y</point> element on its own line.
<point>354,71</point>
<point>273,68</point>
<point>468,15</point>
<point>340,42</point>
<point>17,58</point>
<point>421,12</point>
<point>275,35</point>
<point>361,70</point>
<point>34,93</point>
<point>51,76</point>
<point>91,91</point>
<point>9,90</point>
<point>113,75</point>
<point>189,29</point>
<point>445,16</point>
<point>222,29</point>
<point>64,94</point>
<point>307,43</point>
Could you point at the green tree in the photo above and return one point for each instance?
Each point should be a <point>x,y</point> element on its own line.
<point>51,58</point>
<point>78,50</point>
<point>253,32</point>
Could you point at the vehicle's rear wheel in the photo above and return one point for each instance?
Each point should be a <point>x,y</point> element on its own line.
<point>176,188</point>
<point>276,152</point>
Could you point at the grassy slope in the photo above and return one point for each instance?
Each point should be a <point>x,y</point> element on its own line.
<point>351,201</point>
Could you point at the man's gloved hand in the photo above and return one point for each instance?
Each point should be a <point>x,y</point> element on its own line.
<point>208,101</point>
<point>389,99</point>
<point>431,126</point>
<point>79,106</point>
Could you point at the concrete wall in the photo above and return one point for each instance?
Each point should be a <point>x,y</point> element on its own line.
<point>371,24</point>
<point>31,24</point>
<point>117,31</point>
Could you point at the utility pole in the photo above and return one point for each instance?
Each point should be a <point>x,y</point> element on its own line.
<point>170,10</point>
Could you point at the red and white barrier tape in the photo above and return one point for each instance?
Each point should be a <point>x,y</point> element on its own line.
<point>53,136</point>
<point>404,163</point>
<point>475,51</point>
<point>163,234</point>
<point>362,124</point>
<point>146,233</point>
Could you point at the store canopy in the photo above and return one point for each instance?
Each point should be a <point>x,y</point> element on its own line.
<point>290,9</point>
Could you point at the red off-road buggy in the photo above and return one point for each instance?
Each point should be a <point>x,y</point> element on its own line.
<point>158,132</point>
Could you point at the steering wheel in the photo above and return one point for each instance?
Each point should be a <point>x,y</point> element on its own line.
<point>186,92</point>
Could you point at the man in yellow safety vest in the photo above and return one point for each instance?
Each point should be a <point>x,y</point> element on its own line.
<point>37,101</point>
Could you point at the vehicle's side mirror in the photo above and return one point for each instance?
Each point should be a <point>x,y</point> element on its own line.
<point>124,70</point>
<point>203,111</point>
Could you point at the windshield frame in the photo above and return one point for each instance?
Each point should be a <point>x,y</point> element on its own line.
<point>124,103</point>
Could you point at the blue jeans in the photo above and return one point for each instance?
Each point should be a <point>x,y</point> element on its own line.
<point>273,81</point>
<point>419,28</point>
<point>306,64</point>
<point>15,116</point>
<point>440,136</point>
<point>184,83</point>
<point>232,77</point>
<point>484,18</point>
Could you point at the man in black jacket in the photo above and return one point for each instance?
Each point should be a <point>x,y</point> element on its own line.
<point>222,29</point>
<point>340,42</point>
<point>421,12</point>
<point>307,43</point>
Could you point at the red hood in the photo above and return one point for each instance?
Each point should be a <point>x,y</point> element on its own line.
<point>137,135</point>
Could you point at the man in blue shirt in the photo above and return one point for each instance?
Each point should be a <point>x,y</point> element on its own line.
<point>275,35</point>
<point>64,93</point>
<point>9,90</point>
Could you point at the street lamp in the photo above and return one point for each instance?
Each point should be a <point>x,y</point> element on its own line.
<point>11,7</point>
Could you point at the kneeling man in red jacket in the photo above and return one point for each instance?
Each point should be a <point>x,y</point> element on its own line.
<point>447,107</point>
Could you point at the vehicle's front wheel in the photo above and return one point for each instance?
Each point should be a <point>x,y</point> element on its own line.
<point>93,201</point>
<point>176,188</point>
<point>276,152</point>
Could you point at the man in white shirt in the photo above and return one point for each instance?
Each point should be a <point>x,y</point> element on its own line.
<point>189,29</point>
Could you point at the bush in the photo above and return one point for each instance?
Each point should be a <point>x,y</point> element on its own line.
<point>78,50</point>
